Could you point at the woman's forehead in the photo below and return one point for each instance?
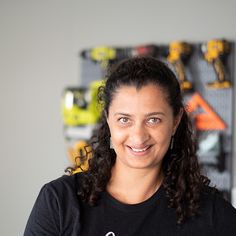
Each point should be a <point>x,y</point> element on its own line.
<point>145,91</point>
<point>149,97</point>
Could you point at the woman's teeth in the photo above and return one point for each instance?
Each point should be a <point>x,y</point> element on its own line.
<point>139,149</point>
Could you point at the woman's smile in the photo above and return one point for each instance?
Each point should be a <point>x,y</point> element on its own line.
<point>139,151</point>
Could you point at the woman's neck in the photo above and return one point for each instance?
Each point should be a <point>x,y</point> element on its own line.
<point>133,186</point>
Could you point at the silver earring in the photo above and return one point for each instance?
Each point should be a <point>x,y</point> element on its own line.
<point>172,143</point>
<point>111,145</point>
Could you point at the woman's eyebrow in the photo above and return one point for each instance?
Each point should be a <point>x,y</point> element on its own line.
<point>155,113</point>
<point>148,114</point>
<point>122,114</point>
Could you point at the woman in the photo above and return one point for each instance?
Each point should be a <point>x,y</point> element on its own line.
<point>144,177</point>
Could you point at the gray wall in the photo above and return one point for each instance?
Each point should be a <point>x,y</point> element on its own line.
<point>39,45</point>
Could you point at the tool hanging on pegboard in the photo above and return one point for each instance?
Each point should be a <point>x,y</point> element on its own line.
<point>179,54</point>
<point>215,53</point>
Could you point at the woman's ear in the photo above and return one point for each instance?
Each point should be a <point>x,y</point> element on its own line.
<point>177,120</point>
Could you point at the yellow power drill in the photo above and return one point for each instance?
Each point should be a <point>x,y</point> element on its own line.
<point>178,52</point>
<point>213,52</point>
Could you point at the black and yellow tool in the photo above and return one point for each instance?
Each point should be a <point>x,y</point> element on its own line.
<point>79,105</point>
<point>214,51</point>
<point>178,53</point>
<point>101,54</point>
<point>79,156</point>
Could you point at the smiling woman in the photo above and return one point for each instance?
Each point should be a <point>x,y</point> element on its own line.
<point>143,177</point>
<point>141,130</point>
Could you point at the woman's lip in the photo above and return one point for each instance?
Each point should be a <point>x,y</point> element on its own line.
<point>139,151</point>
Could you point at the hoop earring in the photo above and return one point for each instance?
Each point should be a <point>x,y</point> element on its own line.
<point>172,142</point>
<point>111,145</point>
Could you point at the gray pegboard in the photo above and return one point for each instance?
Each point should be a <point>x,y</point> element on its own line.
<point>199,73</point>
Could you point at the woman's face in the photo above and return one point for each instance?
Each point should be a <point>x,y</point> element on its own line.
<point>141,124</point>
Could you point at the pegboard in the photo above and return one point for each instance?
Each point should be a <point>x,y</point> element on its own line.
<point>215,144</point>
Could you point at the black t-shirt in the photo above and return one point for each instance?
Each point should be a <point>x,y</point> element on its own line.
<point>59,211</point>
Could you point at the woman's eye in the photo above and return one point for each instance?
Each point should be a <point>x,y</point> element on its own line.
<point>153,120</point>
<point>123,120</point>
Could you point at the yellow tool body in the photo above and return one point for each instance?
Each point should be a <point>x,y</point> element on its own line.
<point>177,51</point>
<point>80,107</point>
<point>213,50</point>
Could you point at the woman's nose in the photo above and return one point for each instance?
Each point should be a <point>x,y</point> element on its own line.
<point>139,135</point>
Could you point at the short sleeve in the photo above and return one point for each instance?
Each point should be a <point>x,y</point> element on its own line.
<point>224,217</point>
<point>44,218</point>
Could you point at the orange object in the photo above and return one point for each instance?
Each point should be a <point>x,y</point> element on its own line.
<point>206,119</point>
<point>79,156</point>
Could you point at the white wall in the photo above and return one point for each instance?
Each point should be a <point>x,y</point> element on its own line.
<point>39,45</point>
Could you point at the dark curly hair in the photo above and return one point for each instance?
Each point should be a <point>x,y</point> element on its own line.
<point>183,182</point>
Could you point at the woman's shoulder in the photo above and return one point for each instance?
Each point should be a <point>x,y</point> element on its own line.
<point>216,216</point>
<point>68,184</point>
<point>213,195</point>
<point>221,208</point>
<point>58,199</point>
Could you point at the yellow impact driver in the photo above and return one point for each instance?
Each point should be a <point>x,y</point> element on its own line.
<point>179,51</point>
<point>213,52</point>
